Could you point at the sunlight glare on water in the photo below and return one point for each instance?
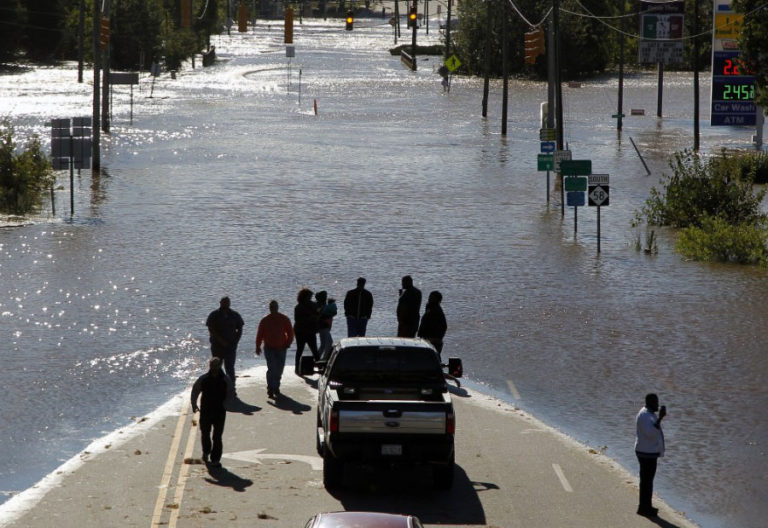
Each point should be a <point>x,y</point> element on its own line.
<point>227,182</point>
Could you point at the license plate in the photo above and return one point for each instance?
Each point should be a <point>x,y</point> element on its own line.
<point>391,449</point>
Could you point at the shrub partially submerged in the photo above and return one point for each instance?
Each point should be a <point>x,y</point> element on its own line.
<point>715,205</point>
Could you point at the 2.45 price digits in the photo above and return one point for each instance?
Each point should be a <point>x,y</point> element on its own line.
<point>739,92</point>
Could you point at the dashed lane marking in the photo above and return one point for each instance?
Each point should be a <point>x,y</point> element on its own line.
<point>513,390</point>
<point>564,481</point>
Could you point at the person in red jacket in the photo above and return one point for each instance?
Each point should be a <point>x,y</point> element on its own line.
<point>276,334</point>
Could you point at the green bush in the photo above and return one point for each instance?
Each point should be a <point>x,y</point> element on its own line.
<point>720,187</point>
<point>717,240</point>
<point>24,175</point>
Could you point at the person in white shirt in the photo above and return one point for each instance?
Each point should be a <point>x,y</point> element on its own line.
<point>649,446</point>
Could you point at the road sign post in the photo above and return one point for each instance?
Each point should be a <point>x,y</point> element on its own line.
<point>546,162</point>
<point>598,193</point>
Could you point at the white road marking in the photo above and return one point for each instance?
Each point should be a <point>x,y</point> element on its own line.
<point>256,456</point>
<point>564,481</point>
<point>513,390</point>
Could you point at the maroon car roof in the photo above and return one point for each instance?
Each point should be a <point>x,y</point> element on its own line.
<point>361,520</point>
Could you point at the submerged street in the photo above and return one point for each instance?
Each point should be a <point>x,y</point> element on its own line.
<point>228,182</point>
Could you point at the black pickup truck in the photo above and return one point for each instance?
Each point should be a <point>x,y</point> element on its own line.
<point>385,400</point>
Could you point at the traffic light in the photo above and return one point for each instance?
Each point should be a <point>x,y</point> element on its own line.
<point>412,15</point>
<point>350,20</point>
<point>534,45</point>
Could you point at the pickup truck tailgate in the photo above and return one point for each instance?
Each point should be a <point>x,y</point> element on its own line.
<point>393,418</point>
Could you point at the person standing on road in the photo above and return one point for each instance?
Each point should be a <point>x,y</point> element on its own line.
<point>649,446</point>
<point>226,328</point>
<point>408,308</point>
<point>326,311</point>
<point>276,334</point>
<point>215,387</point>
<point>358,306</point>
<point>305,326</point>
<point>433,325</point>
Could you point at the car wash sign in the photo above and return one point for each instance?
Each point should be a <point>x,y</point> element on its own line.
<point>733,87</point>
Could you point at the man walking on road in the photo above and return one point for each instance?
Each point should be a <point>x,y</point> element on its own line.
<point>408,307</point>
<point>358,306</point>
<point>276,334</point>
<point>215,386</point>
<point>649,446</point>
<point>226,328</point>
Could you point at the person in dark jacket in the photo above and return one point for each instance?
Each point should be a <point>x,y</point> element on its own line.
<point>215,387</point>
<point>305,326</point>
<point>433,325</point>
<point>358,306</point>
<point>408,308</point>
<point>225,327</point>
<point>326,311</point>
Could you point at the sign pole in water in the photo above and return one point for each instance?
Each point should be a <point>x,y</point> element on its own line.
<point>598,193</point>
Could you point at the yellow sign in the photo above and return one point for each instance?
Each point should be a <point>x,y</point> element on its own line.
<point>728,25</point>
<point>452,63</point>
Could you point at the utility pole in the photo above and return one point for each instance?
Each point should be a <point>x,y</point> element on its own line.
<point>448,32</point>
<point>96,163</point>
<point>106,69</point>
<point>487,74</point>
<point>619,123</point>
<point>80,42</point>
<point>505,69</point>
<point>695,75</point>
<point>558,88</point>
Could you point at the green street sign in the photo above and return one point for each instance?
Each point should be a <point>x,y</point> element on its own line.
<point>616,116</point>
<point>574,183</point>
<point>546,162</point>
<point>576,168</point>
<point>547,134</point>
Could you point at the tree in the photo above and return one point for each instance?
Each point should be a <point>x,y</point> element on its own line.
<point>754,44</point>
<point>44,31</point>
<point>24,175</point>
<point>12,21</point>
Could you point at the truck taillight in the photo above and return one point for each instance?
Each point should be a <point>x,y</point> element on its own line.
<point>333,425</point>
<point>450,423</point>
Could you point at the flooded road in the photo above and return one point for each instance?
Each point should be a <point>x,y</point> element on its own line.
<point>228,183</point>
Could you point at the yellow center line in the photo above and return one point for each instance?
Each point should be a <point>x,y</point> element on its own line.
<point>163,488</point>
<point>183,473</point>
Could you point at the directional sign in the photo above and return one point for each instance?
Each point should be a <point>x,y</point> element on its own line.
<point>545,162</point>
<point>452,63</point>
<point>597,179</point>
<point>548,146</point>
<point>574,199</point>
<point>547,134</point>
<point>598,195</point>
<point>561,155</point>
<point>576,168</point>
<point>575,183</point>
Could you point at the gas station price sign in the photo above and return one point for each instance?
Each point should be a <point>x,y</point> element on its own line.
<point>733,85</point>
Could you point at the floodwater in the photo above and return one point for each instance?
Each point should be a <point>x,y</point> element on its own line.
<point>228,182</point>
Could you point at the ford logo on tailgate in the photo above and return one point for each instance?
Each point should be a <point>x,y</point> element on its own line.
<point>392,424</point>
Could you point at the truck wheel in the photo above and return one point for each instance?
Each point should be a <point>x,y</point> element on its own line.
<point>333,471</point>
<point>442,475</point>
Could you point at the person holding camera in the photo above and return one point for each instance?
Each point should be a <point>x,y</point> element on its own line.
<point>649,446</point>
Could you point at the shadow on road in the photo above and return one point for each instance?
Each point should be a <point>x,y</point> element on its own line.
<point>286,403</point>
<point>222,477</point>
<point>410,490</point>
<point>664,524</point>
<point>239,406</point>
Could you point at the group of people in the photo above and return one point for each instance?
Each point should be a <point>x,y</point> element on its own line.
<point>315,317</point>
<point>312,317</point>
